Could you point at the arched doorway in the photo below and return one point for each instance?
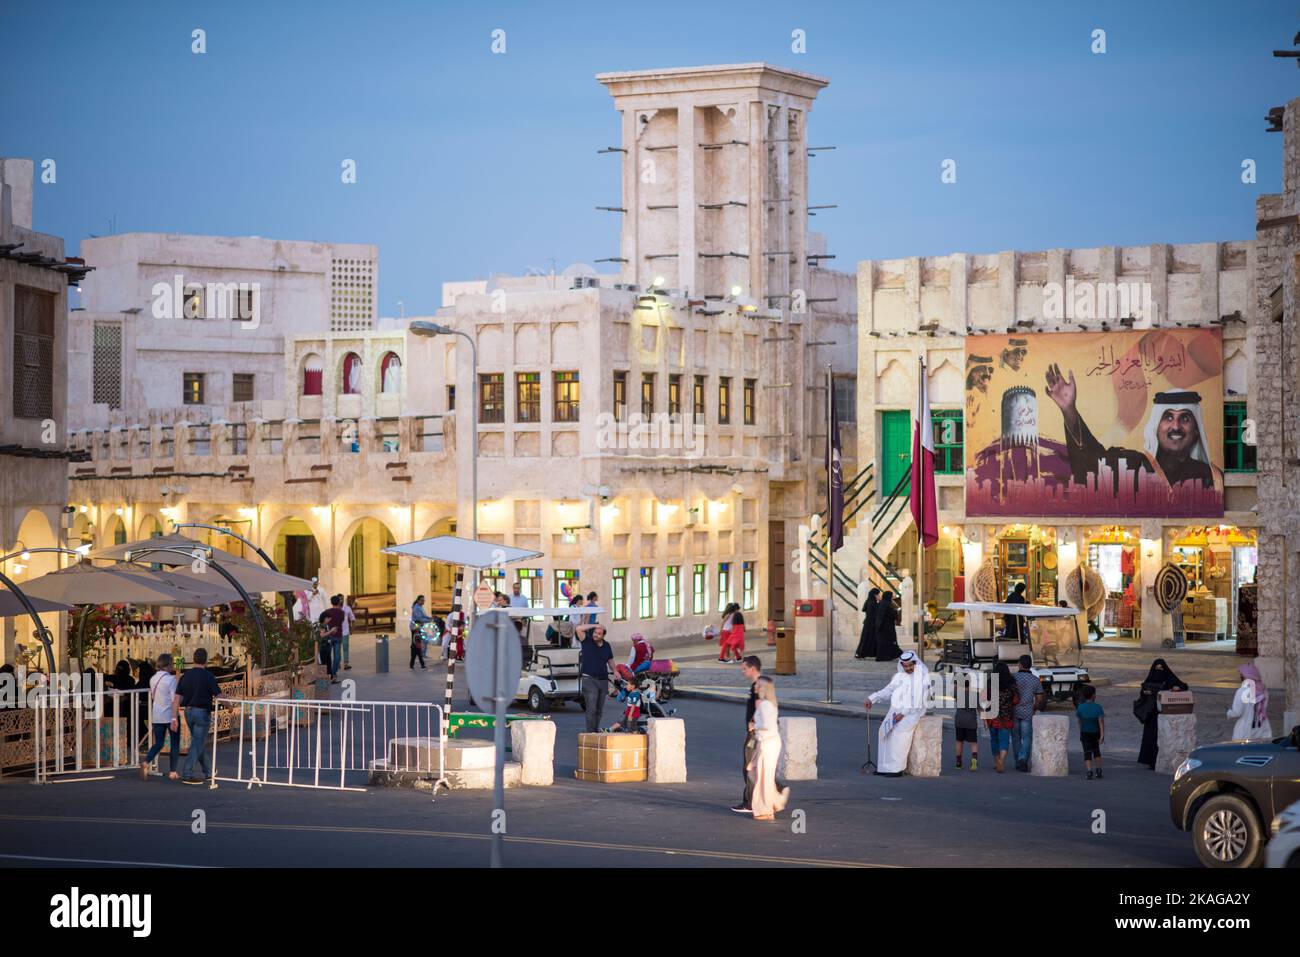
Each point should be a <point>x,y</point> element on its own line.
<point>115,532</point>
<point>34,532</point>
<point>371,572</point>
<point>296,550</point>
<point>442,578</point>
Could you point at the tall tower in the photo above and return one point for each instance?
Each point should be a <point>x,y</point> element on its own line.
<point>715,178</point>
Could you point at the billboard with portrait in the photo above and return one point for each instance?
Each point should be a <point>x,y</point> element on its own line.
<point>1105,424</point>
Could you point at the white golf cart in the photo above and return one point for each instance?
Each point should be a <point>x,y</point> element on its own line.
<point>1054,644</point>
<point>550,671</point>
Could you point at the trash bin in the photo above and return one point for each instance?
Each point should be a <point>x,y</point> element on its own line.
<point>785,651</point>
<point>381,654</point>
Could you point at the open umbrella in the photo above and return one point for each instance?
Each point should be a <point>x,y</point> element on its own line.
<point>85,584</point>
<point>463,551</point>
<point>252,576</point>
<point>11,607</point>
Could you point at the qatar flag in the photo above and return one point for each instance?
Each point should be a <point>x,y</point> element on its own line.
<point>925,511</point>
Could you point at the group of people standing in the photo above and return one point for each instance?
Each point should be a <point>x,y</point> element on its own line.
<point>879,638</point>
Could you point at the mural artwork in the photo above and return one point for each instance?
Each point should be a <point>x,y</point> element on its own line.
<point>1126,424</point>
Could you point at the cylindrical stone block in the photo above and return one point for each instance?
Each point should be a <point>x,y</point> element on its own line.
<point>798,760</point>
<point>1049,756</point>
<point>1176,736</point>
<point>666,750</point>
<point>925,757</point>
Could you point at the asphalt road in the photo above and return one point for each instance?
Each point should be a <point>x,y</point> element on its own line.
<point>843,819</point>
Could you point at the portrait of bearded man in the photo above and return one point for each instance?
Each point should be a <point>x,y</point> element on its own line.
<point>1174,437</point>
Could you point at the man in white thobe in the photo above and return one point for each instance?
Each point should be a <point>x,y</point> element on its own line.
<point>907,692</point>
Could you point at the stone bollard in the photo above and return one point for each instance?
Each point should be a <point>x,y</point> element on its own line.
<point>532,743</point>
<point>1049,756</point>
<point>925,757</point>
<point>666,750</point>
<point>798,760</point>
<point>1176,737</point>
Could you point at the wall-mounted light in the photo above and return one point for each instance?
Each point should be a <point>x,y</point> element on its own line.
<point>247,511</point>
<point>737,290</point>
<point>668,508</point>
<point>118,510</point>
<point>84,509</point>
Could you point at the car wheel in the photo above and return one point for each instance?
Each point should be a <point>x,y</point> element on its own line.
<point>536,700</point>
<point>1226,832</point>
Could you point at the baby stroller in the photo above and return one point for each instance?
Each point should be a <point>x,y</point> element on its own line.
<point>639,694</point>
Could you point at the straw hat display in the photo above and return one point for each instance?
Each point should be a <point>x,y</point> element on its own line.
<point>1085,589</point>
<point>984,583</point>
<point>1171,586</point>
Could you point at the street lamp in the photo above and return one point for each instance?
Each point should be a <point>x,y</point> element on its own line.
<point>427,329</point>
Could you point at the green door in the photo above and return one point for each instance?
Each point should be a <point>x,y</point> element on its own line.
<point>895,448</point>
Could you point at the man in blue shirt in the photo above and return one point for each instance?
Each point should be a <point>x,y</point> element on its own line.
<point>1030,690</point>
<point>594,656</point>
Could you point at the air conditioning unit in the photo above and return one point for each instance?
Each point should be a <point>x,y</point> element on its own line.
<point>585,282</point>
<point>627,286</point>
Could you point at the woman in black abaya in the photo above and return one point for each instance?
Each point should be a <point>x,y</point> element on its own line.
<point>886,636</point>
<point>1160,678</point>
<point>867,640</point>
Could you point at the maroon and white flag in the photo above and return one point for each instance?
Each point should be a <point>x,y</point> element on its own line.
<point>925,511</point>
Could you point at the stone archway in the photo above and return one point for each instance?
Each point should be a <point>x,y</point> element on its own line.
<point>370,571</point>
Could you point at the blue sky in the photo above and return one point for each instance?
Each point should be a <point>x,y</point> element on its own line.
<point>471,163</point>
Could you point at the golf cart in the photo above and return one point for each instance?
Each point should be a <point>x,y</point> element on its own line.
<point>550,671</point>
<point>1054,644</point>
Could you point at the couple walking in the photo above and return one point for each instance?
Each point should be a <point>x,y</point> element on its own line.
<point>764,796</point>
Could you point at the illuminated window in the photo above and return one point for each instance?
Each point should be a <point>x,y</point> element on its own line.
<point>491,397</point>
<point>646,595</point>
<point>528,397</point>
<point>747,596</point>
<point>618,594</point>
<point>620,396</point>
<point>699,590</point>
<point>697,400</point>
<point>566,397</point>
<point>673,591</point>
<point>724,585</point>
<point>566,583</point>
<point>674,395</point>
<point>647,394</point>
<point>748,401</point>
<point>724,400</point>
<point>192,388</point>
<point>530,585</point>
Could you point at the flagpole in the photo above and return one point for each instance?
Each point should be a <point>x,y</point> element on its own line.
<point>920,525</point>
<point>830,545</point>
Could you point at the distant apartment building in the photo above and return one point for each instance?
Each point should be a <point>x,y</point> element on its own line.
<point>201,321</point>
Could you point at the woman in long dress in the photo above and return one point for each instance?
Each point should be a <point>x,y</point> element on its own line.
<point>886,629</point>
<point>867,640</point>
<point>1250,707</point>
<point>767,800</point>
<point>1160,678</point>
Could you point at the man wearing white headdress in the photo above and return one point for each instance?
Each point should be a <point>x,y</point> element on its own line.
<point>1174,437</point>
<point>907,693</point>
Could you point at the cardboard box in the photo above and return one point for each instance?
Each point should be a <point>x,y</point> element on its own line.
<point>612,777</point>
<point>617,754</point>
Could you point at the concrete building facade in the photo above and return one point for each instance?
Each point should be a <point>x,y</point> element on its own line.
<point>34,279</point>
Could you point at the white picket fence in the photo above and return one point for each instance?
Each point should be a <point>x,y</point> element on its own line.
<point>145,642</point>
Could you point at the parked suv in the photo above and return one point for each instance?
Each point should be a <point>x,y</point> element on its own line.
<point>1229,795</point>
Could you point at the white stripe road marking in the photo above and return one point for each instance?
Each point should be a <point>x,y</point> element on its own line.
<point>91,860</point>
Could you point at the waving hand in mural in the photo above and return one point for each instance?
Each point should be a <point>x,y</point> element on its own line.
<point>1063,393</point>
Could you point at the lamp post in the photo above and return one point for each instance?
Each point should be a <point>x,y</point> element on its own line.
<point>427,329</point>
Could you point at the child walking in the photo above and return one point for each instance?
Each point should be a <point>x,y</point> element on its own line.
<point>1092,730</point>
<point>966,721</point>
